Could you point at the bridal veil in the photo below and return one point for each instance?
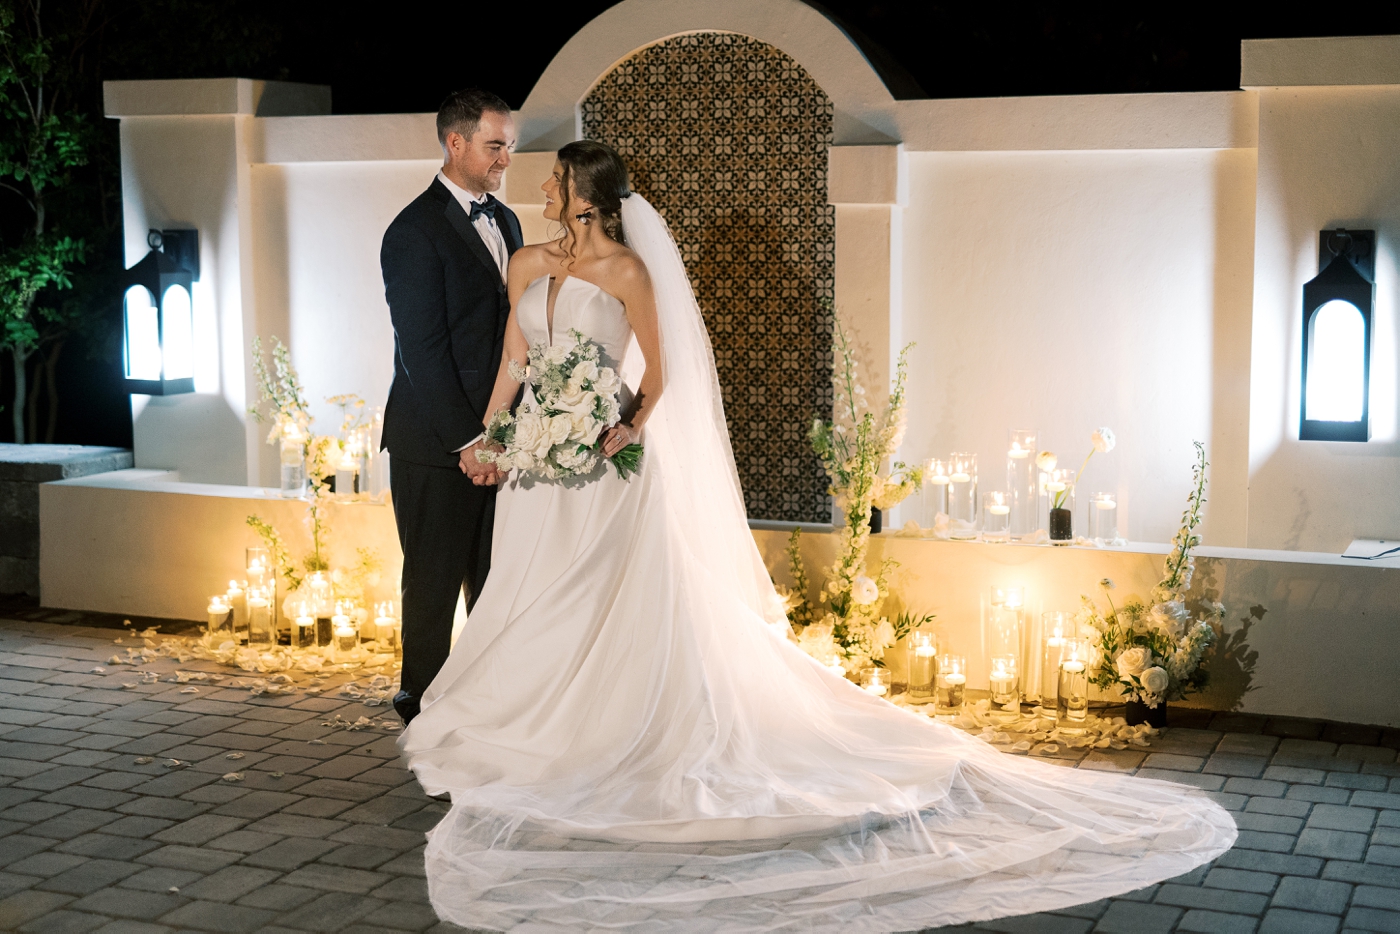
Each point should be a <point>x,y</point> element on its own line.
<point>637,747</point>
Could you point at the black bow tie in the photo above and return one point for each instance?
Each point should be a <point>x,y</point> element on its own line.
<point>487,207</point>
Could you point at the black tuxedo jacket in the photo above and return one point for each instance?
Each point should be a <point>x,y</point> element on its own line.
<point>449,307</point>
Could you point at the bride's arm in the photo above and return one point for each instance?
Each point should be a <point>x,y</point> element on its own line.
<point>633,286</point>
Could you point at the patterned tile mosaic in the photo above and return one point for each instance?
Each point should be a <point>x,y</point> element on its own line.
<point>727,137</point>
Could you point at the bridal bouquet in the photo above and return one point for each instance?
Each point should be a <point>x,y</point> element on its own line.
<point>555,434</point>
<point>1152,652</point>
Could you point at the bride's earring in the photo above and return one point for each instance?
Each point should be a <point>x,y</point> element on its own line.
<point>585,218</point>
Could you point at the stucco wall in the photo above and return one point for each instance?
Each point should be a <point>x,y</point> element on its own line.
<point>1066,290</point>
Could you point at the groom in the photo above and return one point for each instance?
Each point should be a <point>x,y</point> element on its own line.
<point>444,263</point>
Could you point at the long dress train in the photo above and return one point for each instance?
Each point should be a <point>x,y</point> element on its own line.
<point>630,745</point>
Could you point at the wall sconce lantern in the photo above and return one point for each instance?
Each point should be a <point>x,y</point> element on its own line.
<point>1338,309</point>
<point>157,318</point>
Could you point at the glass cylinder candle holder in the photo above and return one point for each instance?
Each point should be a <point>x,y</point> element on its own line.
<point>293,459</point>
<point>258,565</point>
<point>346,473</point>
<point>962,496</point>
<point>1057,631</point>
<point>304,632</point>
<point>386,631</point>
<point>1059,504</point>
<point>1072,701</point>
<point>345,634</point>
<point>238,599</point>
<point>951,685</point>
<point>996,517</point>
<point>1005,687</point>
<point>1021,483</point>
<point>1102,526</point>
<point>875,681</point>
<point>923,665</point>
<point>261,629</point>
<point>935,489</point>
<point>220,619</point>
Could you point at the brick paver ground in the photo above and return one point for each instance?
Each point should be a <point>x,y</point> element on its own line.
<point>323,828</point>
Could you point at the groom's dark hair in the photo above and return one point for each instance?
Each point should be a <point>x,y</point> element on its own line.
<point>461,112</point>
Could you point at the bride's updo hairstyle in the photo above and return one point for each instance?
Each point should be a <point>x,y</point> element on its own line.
<point>599,176</point>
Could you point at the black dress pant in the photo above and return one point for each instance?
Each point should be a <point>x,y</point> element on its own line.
<point>444,526</point>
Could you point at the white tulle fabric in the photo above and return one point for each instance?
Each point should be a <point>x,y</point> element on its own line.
<point>629,745</point>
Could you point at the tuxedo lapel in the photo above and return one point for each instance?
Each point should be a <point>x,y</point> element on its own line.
<point>510,230</point>
<point>463,225</point>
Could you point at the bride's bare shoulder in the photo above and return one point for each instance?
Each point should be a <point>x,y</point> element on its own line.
<point>625,267</point>
<point>530,262</point>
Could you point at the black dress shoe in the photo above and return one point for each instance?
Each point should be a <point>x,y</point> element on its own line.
<point>406,705</point>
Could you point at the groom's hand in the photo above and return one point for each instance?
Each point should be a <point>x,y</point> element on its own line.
<point>480,474</point>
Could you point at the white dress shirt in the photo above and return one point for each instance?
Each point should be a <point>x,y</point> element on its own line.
<point>485,225</point>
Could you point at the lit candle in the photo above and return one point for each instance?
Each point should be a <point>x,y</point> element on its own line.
<point>961,478</point>
<point>939,479</point>
<point>305,632</point>
<point>1003,678</point>
<point>1018,452</point>
<point>238,599</point>
<point>997,509</point>
<point>384,629</point>
<point>346,638</point>
<point>876,682</point>
<point>218,616</point>
<point>1055,486</point>
<point>260,619</point>
<point>345,474</point>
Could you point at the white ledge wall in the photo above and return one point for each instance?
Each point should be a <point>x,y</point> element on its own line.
<point>1062,262</point>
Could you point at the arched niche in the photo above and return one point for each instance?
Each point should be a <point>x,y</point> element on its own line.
<point>764,257</point>
<point>864,106</point>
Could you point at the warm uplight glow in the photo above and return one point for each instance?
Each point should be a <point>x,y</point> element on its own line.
<point>142,335</point>
<point>1337,364</point>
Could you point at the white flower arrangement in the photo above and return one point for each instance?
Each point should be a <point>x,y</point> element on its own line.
<point>1101,442</point>
<point>1152,652</point>
<point>556,434</point>
<point>853,448</point>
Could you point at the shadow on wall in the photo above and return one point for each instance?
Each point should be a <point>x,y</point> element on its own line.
<point>199,435</point>
<point>1230,660</point>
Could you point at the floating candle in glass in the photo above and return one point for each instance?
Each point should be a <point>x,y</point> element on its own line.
<point>996,517</point>
<point>875,681</point>
<point>962,495</point>
<point>952,685</point>
<point>220,618</point>
<point>935,491</point>
<point>261,630</point>
<point>923,664</point>
<point>304,632</point>
<point>1022,494</point>
<point>238,599</point>
<point>1073,692</point>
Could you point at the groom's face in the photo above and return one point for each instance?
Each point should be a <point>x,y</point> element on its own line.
<point>481,161</point>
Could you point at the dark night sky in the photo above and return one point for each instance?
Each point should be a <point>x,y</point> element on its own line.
<point>405,61</point>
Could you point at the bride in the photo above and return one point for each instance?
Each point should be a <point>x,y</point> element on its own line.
<point>630,741</point>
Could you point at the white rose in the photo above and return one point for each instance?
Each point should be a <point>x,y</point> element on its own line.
<point>522,460</point>
<point>527,431</point>
<point>1104,440</point>
<point>1046,461</point>
<point>575,399</point>
<point>1154,680</point>
<point>1133,661</point>
<point>556,354</point>
<point>559,427</point>
<point>606,382</point>
<point>584,370</point>
<point>864,591</point>
<point>1170,617</point>
<point>884,633</point>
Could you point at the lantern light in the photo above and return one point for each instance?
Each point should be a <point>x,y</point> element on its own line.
<point>1338,310</point>
<point>157,318</point>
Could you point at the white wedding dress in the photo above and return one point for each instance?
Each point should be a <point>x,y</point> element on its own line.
<point>630,743</point>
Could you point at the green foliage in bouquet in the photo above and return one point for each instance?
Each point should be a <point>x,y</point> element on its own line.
<point>1152,652</point>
